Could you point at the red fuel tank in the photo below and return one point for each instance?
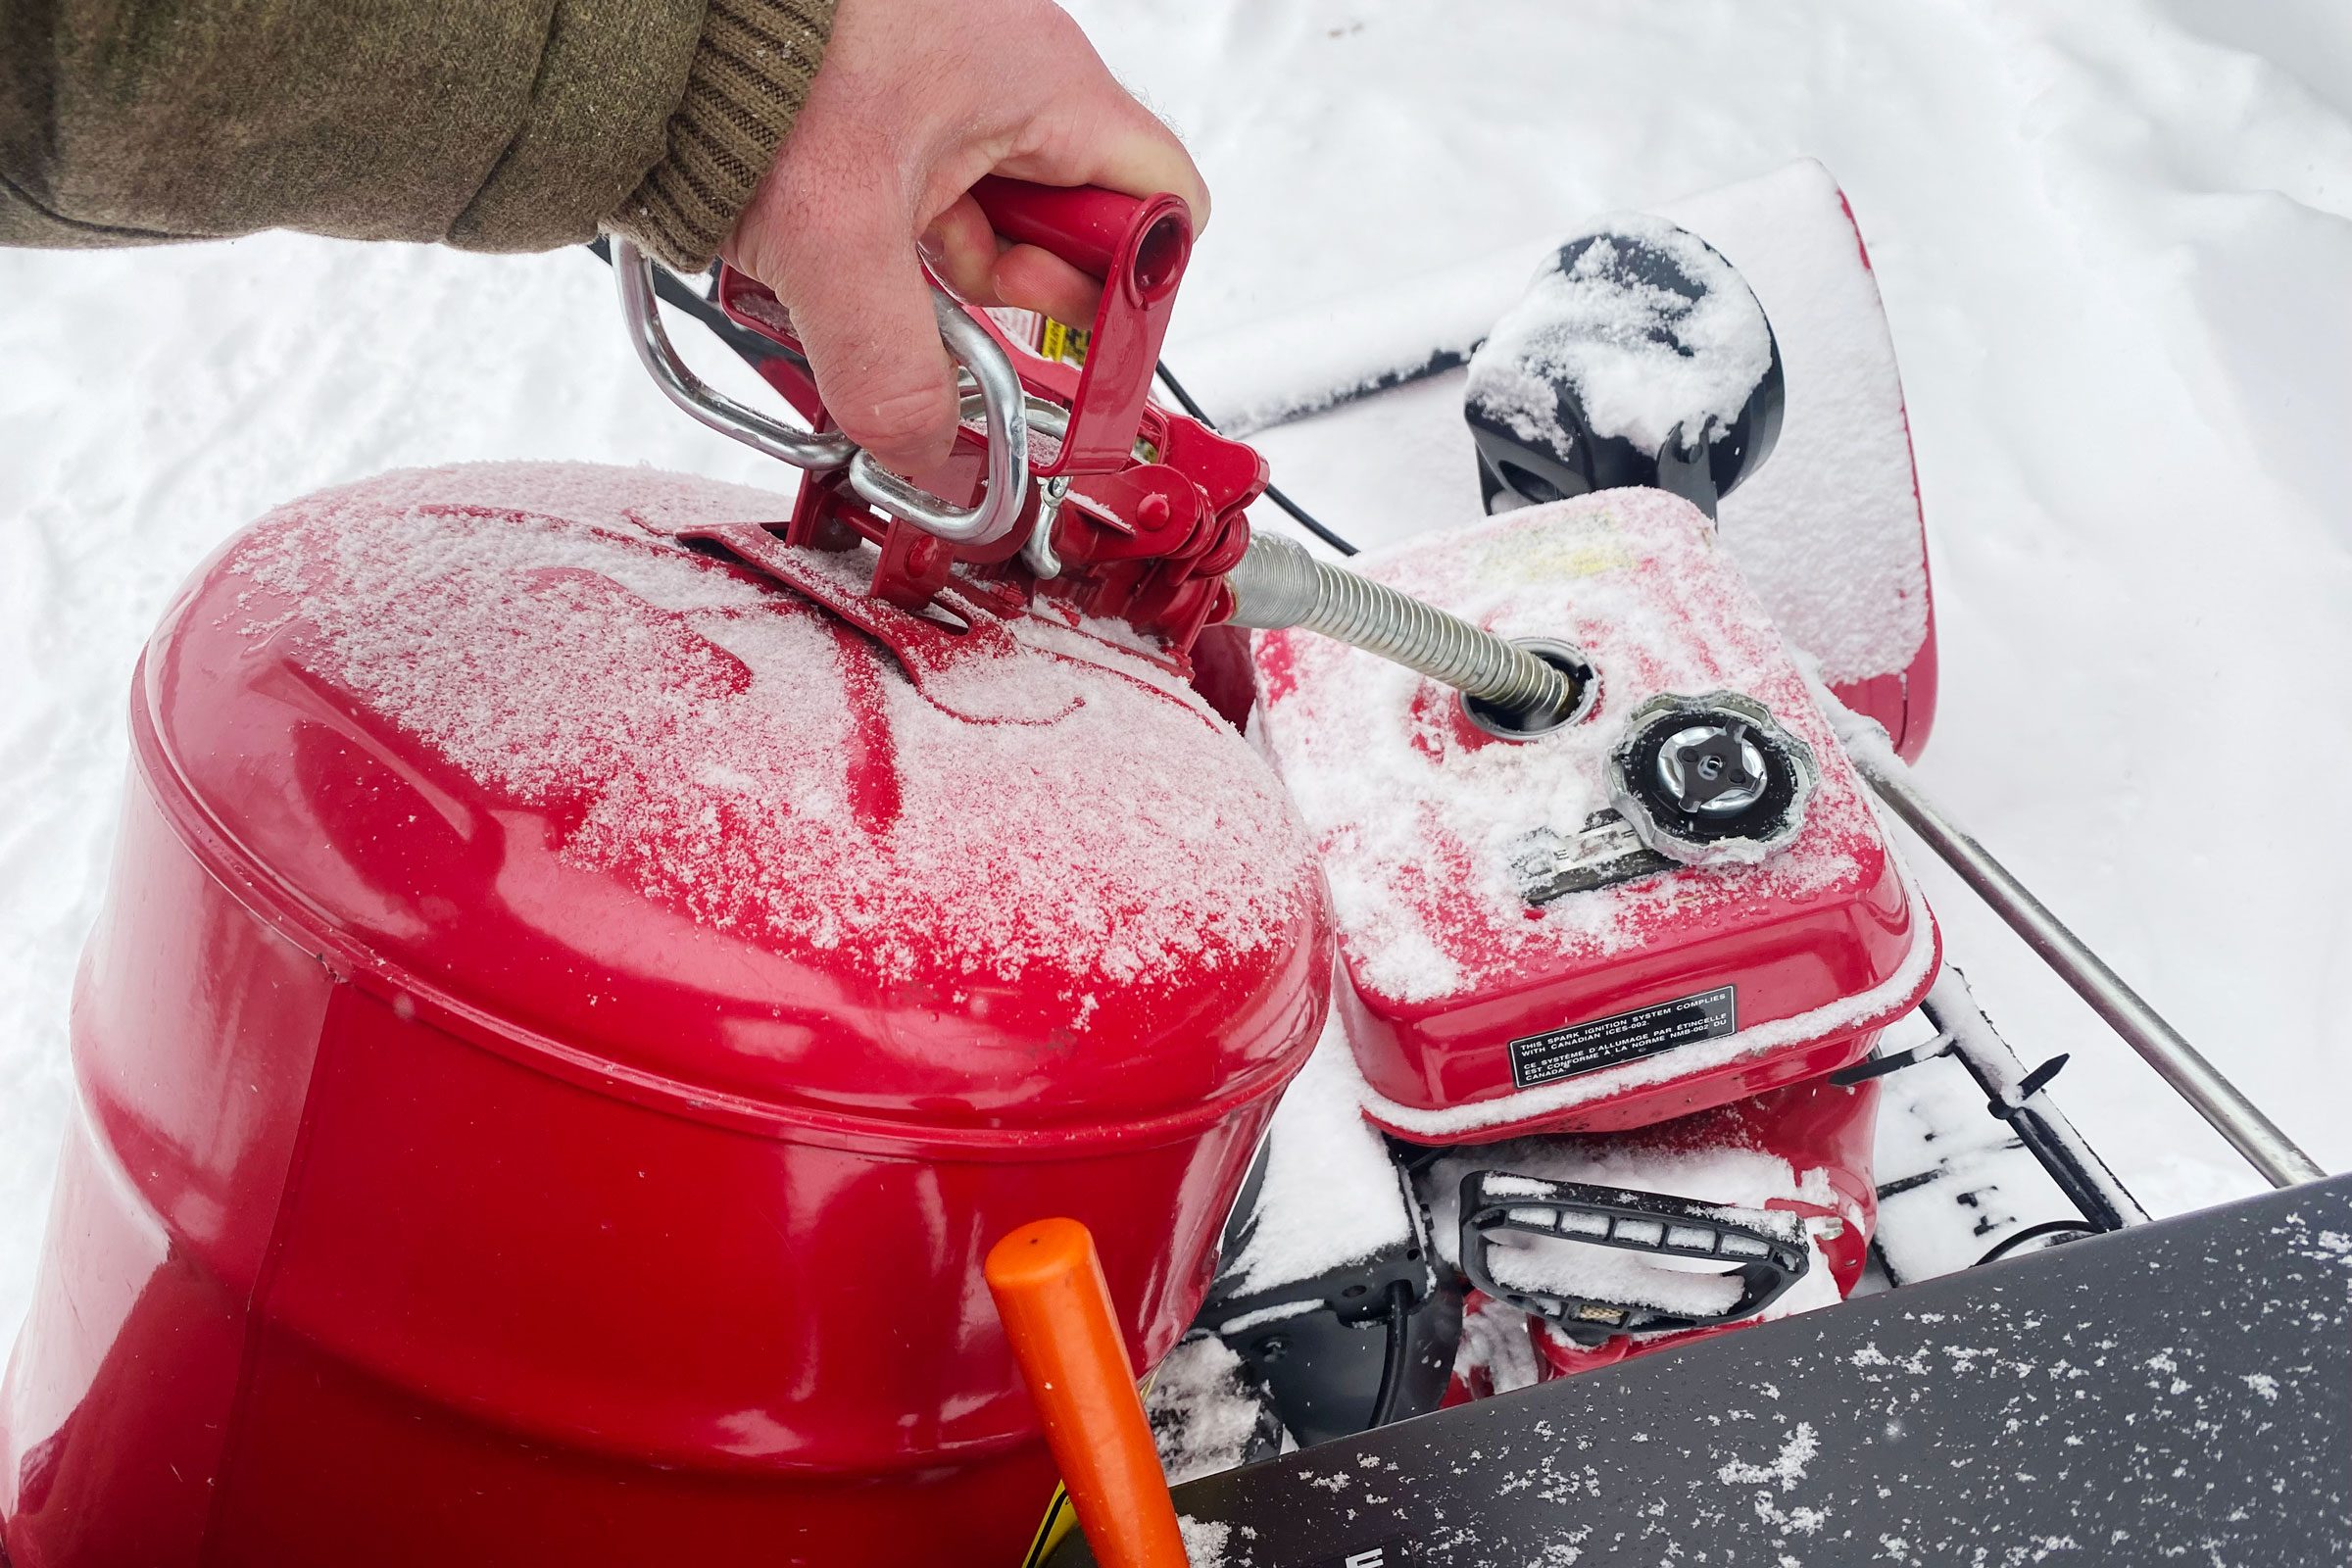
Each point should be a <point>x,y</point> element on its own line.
<point>571,1014</point>
<point>1527,946</point>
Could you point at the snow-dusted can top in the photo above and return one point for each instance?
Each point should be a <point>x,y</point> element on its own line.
<point>526,745</point>
<point>582,988</point>
<point>1516,957</point>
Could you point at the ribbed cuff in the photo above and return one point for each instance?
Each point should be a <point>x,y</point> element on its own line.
<point>748,79</point>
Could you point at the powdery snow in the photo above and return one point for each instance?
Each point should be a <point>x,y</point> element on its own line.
<point>1329,1196</point>
<point>707,724</point>
<point>1203,1416</point>
<point>1495,1343</point>
<point>1786,1469</point>
<point>1205,1540</point>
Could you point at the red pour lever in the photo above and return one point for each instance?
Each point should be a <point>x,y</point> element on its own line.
<point>1138,246</point>
<point>1096,230</point>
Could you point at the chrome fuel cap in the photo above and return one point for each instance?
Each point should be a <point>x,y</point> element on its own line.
<point>1711,779</point>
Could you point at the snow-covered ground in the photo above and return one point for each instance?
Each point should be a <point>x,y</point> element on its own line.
<point>2116,246</point>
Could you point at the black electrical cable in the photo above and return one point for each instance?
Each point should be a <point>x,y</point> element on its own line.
<point>2017,1239</point>
<point>675,292</point>
<point>1305,518</point>
<point>1394,1358</point>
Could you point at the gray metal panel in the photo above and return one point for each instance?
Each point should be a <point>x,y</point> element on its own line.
<point>2173,1393</point>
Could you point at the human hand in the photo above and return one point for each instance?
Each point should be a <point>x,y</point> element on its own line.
<point>915,100</point>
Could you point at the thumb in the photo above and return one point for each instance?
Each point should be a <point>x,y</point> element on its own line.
<point>861,307</point>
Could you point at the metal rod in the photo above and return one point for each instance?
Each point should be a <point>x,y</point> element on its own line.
<point>2219,1101</point>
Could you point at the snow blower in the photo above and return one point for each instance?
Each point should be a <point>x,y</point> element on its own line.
<point>606,972</point>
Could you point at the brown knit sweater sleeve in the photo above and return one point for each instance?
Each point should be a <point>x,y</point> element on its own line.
<point>748,79</point>
<point>492,124</point>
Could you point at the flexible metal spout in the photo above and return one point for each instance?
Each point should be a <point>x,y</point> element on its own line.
<point>1278,584</point>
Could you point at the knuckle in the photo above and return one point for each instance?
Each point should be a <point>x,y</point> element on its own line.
<point>898,417</point>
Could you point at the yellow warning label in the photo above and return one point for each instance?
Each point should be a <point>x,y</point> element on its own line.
<point>1060,1519</point>
<point>1068,344</point>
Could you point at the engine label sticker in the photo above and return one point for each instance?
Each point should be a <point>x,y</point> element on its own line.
<point>1583,1048</point>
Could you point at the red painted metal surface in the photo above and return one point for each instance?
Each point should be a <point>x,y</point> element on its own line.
<point>1445,966</point>
<point>1902,703</point>
<point>1813,1126</point>
<point>1138,249</point>
<point>439,1196</point>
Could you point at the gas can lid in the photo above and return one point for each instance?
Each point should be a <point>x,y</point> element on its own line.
<point>501,747</point>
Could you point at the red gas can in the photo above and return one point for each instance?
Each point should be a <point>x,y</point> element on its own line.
<point>572,1011</point>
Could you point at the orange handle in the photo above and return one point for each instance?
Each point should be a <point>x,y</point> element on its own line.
<point>1049,1292</point>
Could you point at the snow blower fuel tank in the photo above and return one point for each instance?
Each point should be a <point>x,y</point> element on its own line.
<point>1673,897</point>
<point>1596,963</point>
<point>577,998</point>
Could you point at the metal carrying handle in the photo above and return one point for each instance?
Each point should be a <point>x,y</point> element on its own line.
<point>819,452</point>
<point>822,451</point>
<point>1007,407</point>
